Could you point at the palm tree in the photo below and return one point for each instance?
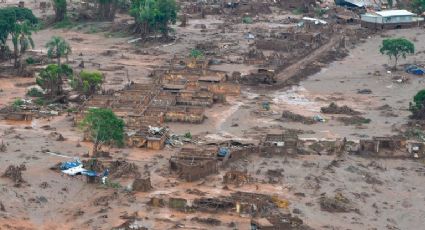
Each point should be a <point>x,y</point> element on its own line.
<point>58,47</point>
<point>21,39</point>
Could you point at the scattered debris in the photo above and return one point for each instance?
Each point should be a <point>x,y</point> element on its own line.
<point>335,109</point>
<point>288,116</point>
<point>15,173</point>
<point>338,203</point>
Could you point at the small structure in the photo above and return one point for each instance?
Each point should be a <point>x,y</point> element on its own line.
<point>236,178</point>
<point>390,19</point>
<point>286,143</point>
<point>19,116</point>
<point>383,146</point>
<point>150,137</point>
<point>416,149</point>
<point>142,184</point>
<point>193,164</point>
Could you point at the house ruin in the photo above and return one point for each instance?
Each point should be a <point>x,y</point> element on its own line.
<point>192,164</point>
<point>286,143</point>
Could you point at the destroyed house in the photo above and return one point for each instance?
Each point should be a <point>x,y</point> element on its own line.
<point>185,114</point>
<point>192,164</point>
<point>18,116</point>
<point>195,98</point>
<point>286,143</point>
<point>147,137</point>
<point>382,146</point>
<point>297,4</point>
<point>416,149</point>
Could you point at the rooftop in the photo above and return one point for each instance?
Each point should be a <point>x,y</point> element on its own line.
<point>390,13</point>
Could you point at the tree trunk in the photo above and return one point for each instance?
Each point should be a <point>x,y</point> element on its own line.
<point>395,63</point>
<point>15,53</point>
<point>95,148</point>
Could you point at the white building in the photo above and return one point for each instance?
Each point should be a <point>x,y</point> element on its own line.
<point>390,19</point>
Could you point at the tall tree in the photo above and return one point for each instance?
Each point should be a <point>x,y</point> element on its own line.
<point>153,15</point>
<point>103,127</point>
<point>418,106</point>
<point>418,6</point>
<point>396,48</point>
<point>51,79</point>
<point>107,9</point>
<point>57,47</point>
<point>18,23</point>
<point>60,9</point>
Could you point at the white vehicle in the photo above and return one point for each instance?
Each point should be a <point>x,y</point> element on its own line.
<point>78,170</point>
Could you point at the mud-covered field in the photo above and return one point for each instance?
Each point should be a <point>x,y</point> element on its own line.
<point>343,191</point>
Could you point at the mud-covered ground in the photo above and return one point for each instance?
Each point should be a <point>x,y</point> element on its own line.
<point>382,193</point>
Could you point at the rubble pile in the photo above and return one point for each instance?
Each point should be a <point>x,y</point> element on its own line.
<point>338,203</point>
<point>121,168</point>
<point>354,120</point>
<point>14,172</point>
<point>335,109</point>
<point>288,116</point>
<point>142,184</point>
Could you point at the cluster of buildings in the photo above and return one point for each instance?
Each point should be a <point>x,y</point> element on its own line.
<point>196,162</point>
<point>180,94</point>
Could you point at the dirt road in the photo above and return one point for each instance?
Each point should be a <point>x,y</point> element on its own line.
<point>295,68</point>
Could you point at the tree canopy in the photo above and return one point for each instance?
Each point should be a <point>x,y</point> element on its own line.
<point>418,6</point>
<point>395,48</point>
<point>19,23</point>
<point>60,9</point>
<point>50,79</point>
<point>87,82</point>
<point>418,106</point>
<point>57,47</point>
<point>103,127</point>
<point>153,15</point>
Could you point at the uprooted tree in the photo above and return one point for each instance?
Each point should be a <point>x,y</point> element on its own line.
<point>153,16</point>
<point>57,47</point>
<point>395,48</point>
<point>418,106</point>
<point>18,23</point>
<point>87,82</point>
<point>103,127</point>
<point>50,79</point>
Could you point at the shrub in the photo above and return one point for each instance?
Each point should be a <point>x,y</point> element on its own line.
<point>39,101</point>
<point>34,92</point>
<point>30,61</point>
<point>247,20</point>
<point>17,103</point>
<point>196,53</point>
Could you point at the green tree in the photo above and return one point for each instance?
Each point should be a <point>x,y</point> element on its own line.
<point>60,9</point>
<point>195,53</point>
<point>418,6</point>
<point>418,106</point>
<point>153,16</point>
<point>87,82</point>
<point>104,127</point>
<point>419,99</point>
<point>18,23</point>
<point>390,3</point>
<point>396,48</point>
<point>50,79</point>
<point>57,47</point>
